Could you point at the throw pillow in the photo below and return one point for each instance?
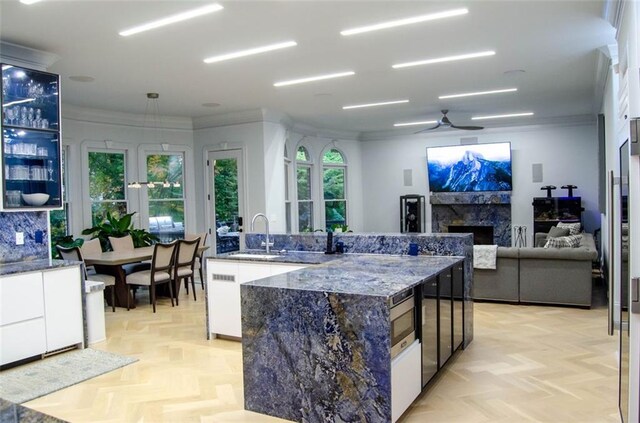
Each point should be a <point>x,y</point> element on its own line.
<point>571,241</point>
<point>574,228</point>
<point>555,232</point>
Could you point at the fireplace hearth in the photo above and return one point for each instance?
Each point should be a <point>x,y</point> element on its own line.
<point>482,235</point>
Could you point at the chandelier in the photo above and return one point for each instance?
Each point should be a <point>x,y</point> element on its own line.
<point>152,109</point>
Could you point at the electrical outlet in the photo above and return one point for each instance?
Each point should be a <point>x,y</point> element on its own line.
<point>19,238</point>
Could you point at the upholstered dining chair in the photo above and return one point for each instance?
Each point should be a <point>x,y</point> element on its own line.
<point>91,247</point>
<point>75,253</point>
<point>159,273</point>
<point>184,262</point>
<point>124,244</point>
<point>199,258</point>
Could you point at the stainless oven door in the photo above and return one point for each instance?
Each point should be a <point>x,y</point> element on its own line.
<point>403,326</point>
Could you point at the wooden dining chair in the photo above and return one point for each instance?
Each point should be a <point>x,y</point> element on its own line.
<point>75,253</point>
<point>184,263</point>
<point>199,254</point>
<point>159,273</point>
<point>124,244</point>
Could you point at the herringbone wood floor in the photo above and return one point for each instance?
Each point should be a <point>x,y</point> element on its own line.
<point>526,364</point>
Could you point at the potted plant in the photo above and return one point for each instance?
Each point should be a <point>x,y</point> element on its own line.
<point>114,227</point>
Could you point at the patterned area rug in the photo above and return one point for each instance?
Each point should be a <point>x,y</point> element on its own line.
<point>33,380</point>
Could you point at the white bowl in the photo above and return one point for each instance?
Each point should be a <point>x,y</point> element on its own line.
<point>36,199</point>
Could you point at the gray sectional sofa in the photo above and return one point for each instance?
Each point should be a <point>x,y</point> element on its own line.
<point>559,276</point>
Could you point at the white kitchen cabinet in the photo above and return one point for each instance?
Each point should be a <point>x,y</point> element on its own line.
<point>40,312</point>
<point>62,307</point>
<point>406,379</point>
<point>224,278</point>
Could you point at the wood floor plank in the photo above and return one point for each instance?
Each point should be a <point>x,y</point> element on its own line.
<point>526,364</point>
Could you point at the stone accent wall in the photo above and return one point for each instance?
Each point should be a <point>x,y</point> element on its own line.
<point>29,223</point>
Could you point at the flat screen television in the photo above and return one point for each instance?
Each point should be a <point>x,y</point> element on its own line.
<point>470,168</point>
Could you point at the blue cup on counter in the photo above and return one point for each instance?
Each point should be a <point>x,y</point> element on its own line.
<point>413,249</point>
<point>339,247</point>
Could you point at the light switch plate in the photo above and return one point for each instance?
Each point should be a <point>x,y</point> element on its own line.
<point>19,238</point>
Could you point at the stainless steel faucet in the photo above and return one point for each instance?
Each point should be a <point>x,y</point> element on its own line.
<point>266,242</point>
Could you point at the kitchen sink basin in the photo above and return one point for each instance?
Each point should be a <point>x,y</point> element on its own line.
<point>255,256</point>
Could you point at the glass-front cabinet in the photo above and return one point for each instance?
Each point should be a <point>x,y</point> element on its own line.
<point>31,177</point>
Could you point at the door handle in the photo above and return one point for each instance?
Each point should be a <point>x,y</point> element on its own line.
<point>635,295</point>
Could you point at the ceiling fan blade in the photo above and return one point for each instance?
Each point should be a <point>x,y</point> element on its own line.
<point>468,128</point>
<point>429,129</point>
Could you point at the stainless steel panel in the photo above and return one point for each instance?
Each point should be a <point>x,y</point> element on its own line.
<point>444,318</point>
<point>458,305</point>
<point>429,319</point>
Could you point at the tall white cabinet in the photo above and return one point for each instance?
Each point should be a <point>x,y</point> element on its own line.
<point>40,312</point>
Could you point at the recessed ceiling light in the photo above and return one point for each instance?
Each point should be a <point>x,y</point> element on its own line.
<point>30,1</point>
<point>179,17</point>
<point>313,78</point>
<point>424,122</point>
<point>82,78</point>
<point>210,104</point>
<point>502,116</point>
<point>406,21</point>
<point>384,103</point>
<point>251,51</point>
<point>506,90</point>
<point>445,59</point>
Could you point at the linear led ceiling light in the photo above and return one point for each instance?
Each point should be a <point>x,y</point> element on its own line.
<point>313,78</point>
<point>502,116</point>
<point>30,1</point>
<point>406,21</point>
<point>251,51</point>
<point>424,122</point>
<point>445,59</point>
<point>506,90</point>
<point>384,103</point>
<point>179,17</point>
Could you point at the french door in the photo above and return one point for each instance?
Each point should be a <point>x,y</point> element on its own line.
<point>226,198</point>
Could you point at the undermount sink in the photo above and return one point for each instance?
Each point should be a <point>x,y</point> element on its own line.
<point>255,256</point>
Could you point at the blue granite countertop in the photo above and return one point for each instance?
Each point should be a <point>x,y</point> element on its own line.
<point>34,266</point>
<point>361,274</point>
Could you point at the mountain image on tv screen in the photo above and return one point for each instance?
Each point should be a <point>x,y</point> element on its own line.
<point>468,168</point>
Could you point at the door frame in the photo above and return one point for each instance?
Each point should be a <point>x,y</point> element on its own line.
<point>238,153</point>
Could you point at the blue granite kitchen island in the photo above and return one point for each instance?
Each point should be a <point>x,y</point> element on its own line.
<point>316,342</point>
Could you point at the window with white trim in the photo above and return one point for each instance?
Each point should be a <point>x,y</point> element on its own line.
<point>165,195</point>
<point>334,182</point>
<point>304,167</point>
<point>107,185</point>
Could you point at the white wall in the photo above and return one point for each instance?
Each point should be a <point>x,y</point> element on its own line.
<point>568,154</point>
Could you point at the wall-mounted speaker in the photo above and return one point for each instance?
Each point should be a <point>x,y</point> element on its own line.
<point>536,172</point>
<point>408,177</point>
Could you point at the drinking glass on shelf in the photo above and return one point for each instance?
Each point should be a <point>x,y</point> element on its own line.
<point>50,169</point>
<point>8,115</point>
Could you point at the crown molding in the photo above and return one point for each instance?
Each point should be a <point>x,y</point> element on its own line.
<point>578,120</point>
<point>110,117</point>
<point>228,119</point>
<point>612,12</point>
<point>25,56</point>
<point>312,131</point>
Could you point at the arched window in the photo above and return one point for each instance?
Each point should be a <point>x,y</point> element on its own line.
<point>287,189</point>
<point>304,167</point>
<point>334,183</point>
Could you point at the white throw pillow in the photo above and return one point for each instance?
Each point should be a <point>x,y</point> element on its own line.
<point>571,241</point>
<point>574,228</point>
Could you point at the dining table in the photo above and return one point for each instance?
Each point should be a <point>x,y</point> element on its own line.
<point>113,262</point>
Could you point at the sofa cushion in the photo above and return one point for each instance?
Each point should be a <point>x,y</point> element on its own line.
<point>574,228</point>
<point>555,232</point>
<point>572,241</point>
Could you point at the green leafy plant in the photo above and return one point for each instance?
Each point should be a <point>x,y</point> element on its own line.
<point>345,228</point>
<point>119,227</point>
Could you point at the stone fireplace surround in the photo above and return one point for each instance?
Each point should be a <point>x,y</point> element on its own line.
<point>473,209</point>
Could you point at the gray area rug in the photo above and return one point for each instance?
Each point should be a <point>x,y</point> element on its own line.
<point>33,380</point>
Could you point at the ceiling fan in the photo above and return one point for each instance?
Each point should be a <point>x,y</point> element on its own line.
<point>445,122</point>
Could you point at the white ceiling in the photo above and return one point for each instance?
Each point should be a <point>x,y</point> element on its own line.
<point>555,42</point>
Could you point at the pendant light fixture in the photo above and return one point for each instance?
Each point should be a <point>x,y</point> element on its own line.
<point>152,109</point>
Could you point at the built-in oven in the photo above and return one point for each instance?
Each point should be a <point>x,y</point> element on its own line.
<point>403,321</point>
